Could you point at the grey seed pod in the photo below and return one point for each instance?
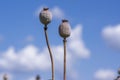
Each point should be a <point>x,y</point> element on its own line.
<point>45,16</point>
<point>64,29</point>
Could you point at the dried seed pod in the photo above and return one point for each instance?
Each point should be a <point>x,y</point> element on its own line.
<point>64,29</point>
<point>45,16</point>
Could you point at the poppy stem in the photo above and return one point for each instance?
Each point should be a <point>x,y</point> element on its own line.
<point>50,53</point>
<point>64,42</point>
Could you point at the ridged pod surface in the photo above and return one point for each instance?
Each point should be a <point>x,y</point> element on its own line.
<point>45,16</point>
<point>64,29</point>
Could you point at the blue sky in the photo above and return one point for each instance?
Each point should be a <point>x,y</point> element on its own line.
<point>93,48</point>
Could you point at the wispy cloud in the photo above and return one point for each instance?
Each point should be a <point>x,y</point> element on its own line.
<point>112,36</point>
<point>104,74</point>
<point>57,13</point>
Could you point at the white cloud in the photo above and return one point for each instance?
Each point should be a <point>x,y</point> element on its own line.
<point>32,58</point>
<point>112,36</point>
<point>57,13</point>
<point>76,43</point>
<point>104,74</point>
<point>29,58</point>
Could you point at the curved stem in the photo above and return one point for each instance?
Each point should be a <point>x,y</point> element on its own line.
<point>49,49</point>
<point>64,41</point>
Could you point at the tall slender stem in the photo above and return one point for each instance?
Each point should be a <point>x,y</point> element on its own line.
<point>64,41</point>
<point>49,49</point>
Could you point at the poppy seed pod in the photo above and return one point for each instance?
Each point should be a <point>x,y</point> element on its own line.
<point>45,16</point>
<point>64,29</point>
